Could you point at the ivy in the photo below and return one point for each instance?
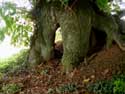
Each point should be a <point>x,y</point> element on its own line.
<point>103,5</point>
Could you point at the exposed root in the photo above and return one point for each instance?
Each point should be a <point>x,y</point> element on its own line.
<point>92,57</point>
<point>120,45</point>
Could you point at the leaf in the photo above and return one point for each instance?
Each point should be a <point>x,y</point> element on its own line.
<point>86,80</point>
<point>103,5</point>
<point>2,36</point>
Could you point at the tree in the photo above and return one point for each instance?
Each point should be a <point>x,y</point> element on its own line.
<point>76,19</point>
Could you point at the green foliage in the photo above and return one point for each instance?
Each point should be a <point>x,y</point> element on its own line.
<point>6,11</point>
<point>64,89</point>
<point>67,88</point>
<point>17,24</point>
<point>103,5</point>
<point>1,75</point>
<point>119,87</point>
<point>2,35</point>
<point>101,87</point>
<point>11,88</point>
<point>14,62</point>
<point>119,84</point>
<point>113,86</point>
<point>51,91</point>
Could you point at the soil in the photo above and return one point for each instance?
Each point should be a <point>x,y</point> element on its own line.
<point>48,76</point>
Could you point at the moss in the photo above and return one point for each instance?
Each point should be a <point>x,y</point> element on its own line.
<point>75,36</point>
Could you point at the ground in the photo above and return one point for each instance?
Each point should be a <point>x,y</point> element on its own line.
<point>46,78</point>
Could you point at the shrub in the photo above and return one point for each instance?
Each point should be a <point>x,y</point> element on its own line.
<point>114,86</point>
<point>119,87</point>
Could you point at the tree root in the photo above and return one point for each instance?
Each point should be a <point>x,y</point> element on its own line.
<point>120,45</point>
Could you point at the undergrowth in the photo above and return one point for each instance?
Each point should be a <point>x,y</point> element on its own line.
<point>10,89</point>
<point>114,86</point>
<point>14,62</point>
<point>64,89</point>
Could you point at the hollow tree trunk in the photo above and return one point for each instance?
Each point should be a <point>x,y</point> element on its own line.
<point>110,27</point>
<point>75,23</point>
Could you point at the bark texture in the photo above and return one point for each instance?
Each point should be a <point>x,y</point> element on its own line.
<point>76,26</point>
<point>76,23</point>
<point>107,24</point>
<point>42,41</point>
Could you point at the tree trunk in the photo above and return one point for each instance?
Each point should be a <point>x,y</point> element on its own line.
<point>42,46</point>
<point>75,23</point>
<point>76,26</point>
<point>107,24</point>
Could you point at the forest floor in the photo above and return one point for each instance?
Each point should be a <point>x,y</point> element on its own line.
<point>48,78</point>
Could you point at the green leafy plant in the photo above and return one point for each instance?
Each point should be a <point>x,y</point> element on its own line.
<point>119,87</point>
<point>114,86</point>
<point>119,84</point>
<point>101,87</point>
<point>17,24</point>
<point>11,88</point>
<point>103,5</point>
<point>67,88</point>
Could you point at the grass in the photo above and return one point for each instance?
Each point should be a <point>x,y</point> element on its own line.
<point>13,62</point>
<point>11,65</point>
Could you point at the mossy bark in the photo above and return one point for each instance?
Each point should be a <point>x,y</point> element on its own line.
<point>107,24</point>
<point>75,23</point>
<point>42,46</point>
<point>76,26</point>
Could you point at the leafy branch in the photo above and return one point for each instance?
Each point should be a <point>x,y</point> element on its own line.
<point>17,24</point>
